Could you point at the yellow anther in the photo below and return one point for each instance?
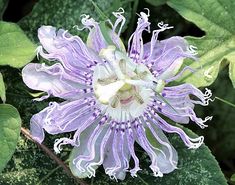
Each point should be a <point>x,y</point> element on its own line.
<point>115,102</point>
<point>125,87</point>
<point>160,86</point>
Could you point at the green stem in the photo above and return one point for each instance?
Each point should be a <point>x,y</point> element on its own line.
<point>48,175</point>
<point>144,182</point>
<point>27,134</point>
<point>133,18</point>
<point>99,11</point>
<point>225,101</point>
<point>92,181</point>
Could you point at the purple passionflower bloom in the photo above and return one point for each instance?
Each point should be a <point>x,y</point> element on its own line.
<point>113,97</point>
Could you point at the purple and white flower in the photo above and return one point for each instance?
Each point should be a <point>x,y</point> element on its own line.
<point>113,97</point>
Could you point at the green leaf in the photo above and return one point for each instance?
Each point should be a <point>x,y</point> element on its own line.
<point>156,3</point>
<point>67,14</point>
<point>2,89</point>
<point>10,124</point>
<point>3,5</point>
<point>16,49</point>
<point>216,18</point>
<point>232,178</point>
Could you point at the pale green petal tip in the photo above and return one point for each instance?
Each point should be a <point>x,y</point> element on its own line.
<point>84,171</point>
<point>2,89</point>
<point>232,72</point>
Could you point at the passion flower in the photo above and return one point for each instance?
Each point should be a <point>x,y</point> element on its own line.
<point>113,97</point>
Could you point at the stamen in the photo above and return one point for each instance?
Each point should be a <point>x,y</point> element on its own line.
<point>138,98</point>
<point>140,83</point>
<point>160,84</point>
<point>106,81</point>
<point>122,65</point>
<point>115,102</point>
<point>105,92</point>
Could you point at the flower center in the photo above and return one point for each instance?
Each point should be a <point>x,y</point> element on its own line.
<point>122,87</point>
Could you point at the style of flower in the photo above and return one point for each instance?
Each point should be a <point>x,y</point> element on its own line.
<point>113,97</point>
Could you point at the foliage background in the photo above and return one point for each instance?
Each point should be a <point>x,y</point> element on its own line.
<point>29,165</point>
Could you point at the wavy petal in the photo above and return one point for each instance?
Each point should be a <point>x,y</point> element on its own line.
<point>166,57</point>
<point>180,97</point>
<point>163,155</point>
<point>161,123</point>
<point>60,118</point>
<point>86,158</point>
<point>135,42</point>
<point>69,50</point>
<point>53,80</point>
<point>117,161</point>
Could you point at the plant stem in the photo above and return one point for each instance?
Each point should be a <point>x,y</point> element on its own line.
<point>144,182</point>
<point>48,175</point>
<point>133,18</point>
<point>27,134</point>
<point>225,101</point>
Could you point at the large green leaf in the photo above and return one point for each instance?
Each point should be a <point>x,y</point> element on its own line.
<point>16,49</point>
<point>10,124</point>
<point>2,89</point>
<point>67,14</point>
<point>216,18</point>
<point>156,3</point>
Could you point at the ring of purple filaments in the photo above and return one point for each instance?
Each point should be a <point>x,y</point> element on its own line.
<point>116,104</point>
